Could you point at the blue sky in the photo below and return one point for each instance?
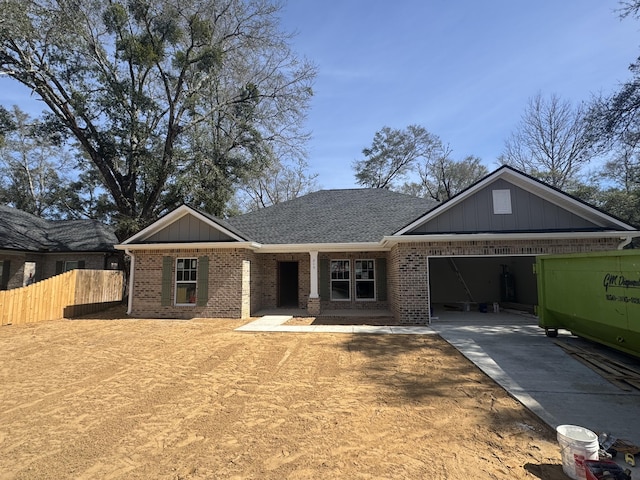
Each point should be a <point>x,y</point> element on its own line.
<point>463,69</point>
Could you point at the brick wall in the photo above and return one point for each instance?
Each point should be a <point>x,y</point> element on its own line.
<point>228,283</point>
<point>409,265</point>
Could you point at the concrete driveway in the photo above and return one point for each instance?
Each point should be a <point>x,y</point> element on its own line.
<point>516,353</point>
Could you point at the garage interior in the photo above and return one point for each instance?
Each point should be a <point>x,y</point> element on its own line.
<point>477,283</point>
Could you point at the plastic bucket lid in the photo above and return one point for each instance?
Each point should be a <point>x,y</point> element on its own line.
<point>576,433</point>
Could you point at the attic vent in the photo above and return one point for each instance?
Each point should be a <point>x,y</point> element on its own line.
<point>502,202</point>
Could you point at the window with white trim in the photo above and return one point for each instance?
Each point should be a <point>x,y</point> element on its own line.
<point>340,280</point>
<point>365,279</point>
<point>186,281</point>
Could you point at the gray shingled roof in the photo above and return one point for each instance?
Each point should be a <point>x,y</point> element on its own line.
<point>22,231</point>
<point>333,216</point>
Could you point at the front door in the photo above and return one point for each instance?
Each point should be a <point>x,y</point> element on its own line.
<point>288,284</point>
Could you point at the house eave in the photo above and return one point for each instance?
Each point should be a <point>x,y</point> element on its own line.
<point>323,247</point>
<point>187,246</point>
<point>480,237</point>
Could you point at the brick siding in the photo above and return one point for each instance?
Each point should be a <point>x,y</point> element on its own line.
<point>409,266</point>
<point>228,283</point>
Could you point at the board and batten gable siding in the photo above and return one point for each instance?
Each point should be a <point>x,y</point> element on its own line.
<point>529,213</point>
<point>188,229</point>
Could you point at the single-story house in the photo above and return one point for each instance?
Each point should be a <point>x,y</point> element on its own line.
<point>32,249</point>
<point>364,249</point>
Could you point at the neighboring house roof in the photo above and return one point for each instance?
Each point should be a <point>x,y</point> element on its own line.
<point>333,216</point>
<point>22,231</point>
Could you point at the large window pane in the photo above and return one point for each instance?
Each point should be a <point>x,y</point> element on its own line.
<point>365,279</point>
<point>340,280</point>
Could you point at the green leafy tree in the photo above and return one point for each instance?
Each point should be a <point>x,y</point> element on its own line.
<point>393,155</point>
<point>34,166</point>
<point>167,100</point>
<point>551,142</point>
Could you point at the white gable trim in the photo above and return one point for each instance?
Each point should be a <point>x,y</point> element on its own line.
<point>173,217</point>
<point>533,186</point>
<point>187,246</point>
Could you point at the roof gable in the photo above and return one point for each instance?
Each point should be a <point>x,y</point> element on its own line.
<point>508,201</point>
<point>184,225</point>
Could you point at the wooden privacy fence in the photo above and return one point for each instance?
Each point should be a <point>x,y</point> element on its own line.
<point>70,294</point>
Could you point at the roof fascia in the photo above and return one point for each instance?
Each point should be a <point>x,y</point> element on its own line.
<point>259,248</point>
<point>323,247</point>
<point>529,184</point>
<point>173,217</point>
<point>187,246</point>
<point>479,237</point>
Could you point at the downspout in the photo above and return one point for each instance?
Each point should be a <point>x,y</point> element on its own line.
<point>132,269</point>
<point>625,241</point>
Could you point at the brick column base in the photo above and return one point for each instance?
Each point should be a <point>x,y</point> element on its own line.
<point>313,306</point>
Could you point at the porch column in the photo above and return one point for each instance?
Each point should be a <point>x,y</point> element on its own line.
<point>313,305</point>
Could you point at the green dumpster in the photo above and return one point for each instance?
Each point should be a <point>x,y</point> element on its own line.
<point>594,295</point>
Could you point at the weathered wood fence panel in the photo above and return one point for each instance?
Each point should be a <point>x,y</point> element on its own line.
<point>66,295</point>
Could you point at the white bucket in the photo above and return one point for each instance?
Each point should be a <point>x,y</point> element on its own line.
<point>577,444</point>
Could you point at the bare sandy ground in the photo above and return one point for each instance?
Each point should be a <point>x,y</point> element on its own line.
<point>141,399</point>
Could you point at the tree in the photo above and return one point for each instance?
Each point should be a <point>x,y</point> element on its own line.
<point>621,175</point>
<point>393,154</point>
<point>166,99</point>
<point>442,177</point>
<point>33,166</point>
<point>551,141</point>
<point>278,183</point>
<point>614,129</point>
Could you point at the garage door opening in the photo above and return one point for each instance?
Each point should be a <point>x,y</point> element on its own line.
<point>477,283</point>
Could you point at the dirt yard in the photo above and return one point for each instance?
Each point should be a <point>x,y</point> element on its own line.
<point>142,399</point>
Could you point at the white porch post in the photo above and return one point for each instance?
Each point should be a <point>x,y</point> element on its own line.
<point>313,272</point>
<point>313,304</point>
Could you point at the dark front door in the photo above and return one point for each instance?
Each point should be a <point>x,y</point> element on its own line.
<point>288,284</point>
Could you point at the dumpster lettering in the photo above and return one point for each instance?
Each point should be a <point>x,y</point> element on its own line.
<point>623,298</point>
<point>614,280</point>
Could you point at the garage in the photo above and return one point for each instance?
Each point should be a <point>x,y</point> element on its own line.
<point>476,283</point>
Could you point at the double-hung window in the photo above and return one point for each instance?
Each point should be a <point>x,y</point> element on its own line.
<point>340,280</point>
<point>365,280</point>
<point>186,281</point>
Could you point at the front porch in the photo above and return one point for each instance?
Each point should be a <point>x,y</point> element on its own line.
<point>332,317</point>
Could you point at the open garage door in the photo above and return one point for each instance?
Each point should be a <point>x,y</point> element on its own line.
<point>476,283</point>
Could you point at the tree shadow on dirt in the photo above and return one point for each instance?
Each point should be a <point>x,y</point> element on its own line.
<point>409,370</point>
<point>414,366</point>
